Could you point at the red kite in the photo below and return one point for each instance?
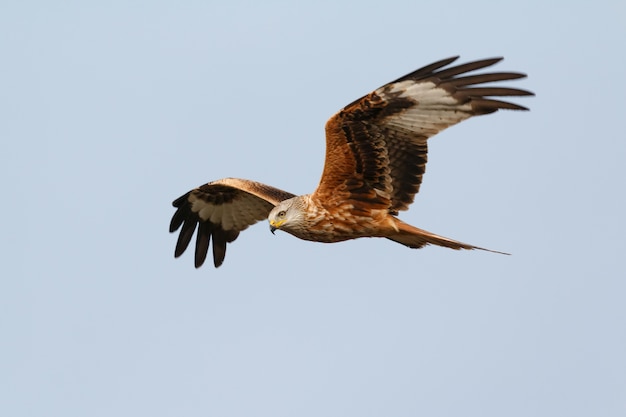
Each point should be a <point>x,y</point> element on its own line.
<point>376,152</point>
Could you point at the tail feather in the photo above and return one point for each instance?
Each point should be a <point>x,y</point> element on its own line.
<point>416,238</point>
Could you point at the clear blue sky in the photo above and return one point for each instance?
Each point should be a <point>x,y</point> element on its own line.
<point>110,111</point>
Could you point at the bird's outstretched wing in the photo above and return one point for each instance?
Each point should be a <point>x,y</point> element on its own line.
<point>376,148</point>
<point>220,210</point>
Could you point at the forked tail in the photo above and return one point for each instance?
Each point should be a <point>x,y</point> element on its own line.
<point>416,238</point>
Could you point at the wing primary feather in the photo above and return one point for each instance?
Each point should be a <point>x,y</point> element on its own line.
<point>219,247</point>
<point>181,213</point>
<point>177,220</point>
<point>494,91</point>
<point>486,106</point>
<point>485,78</point>
<point>189,226</point>
<point>203,238</point>
<point>180,201</point>
<point>463,68</point>
<point>429,69</point>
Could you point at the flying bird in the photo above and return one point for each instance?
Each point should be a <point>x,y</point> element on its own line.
<point>376,152</point>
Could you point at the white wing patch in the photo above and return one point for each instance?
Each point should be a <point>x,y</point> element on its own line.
<point>218,217</point>
<point>435,107</point>
<point>245,210</point>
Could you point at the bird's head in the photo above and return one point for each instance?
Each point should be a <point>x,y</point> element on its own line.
<point>285,216</point>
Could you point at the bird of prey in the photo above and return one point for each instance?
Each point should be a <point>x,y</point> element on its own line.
<point>376,152</point>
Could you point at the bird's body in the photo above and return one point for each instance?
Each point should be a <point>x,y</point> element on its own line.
<point>376,153</point>
<point>318,222</point>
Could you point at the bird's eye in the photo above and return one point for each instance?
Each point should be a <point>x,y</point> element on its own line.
<point>281,213</point>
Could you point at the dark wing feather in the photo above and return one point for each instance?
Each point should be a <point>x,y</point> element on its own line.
<point>376,147</point>
<point>220,210</point>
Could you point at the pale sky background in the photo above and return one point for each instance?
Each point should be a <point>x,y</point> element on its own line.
<point>110,111</point>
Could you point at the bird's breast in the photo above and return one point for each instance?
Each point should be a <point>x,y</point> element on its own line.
<point>342,222</point>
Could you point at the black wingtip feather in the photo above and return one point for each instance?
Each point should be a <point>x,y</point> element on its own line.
<point>427,69</point>
<point>184,238</point>
<point>177,220</point>
<point>203,239</point>
<point>485,78</point>
<point>486,106</point>
<point>463,68</point>
<point>182,200</point>
<point>219,247</point>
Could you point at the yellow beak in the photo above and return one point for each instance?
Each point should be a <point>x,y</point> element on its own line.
<point>275,225</point>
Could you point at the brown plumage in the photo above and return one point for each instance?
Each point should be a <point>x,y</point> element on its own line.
<point>376,153</point>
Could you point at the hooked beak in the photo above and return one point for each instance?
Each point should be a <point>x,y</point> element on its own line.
<point>275,225</point>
